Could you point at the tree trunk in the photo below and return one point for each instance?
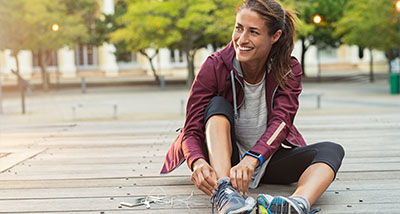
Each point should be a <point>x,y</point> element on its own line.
<point>304,49</point>
<point>371,66</point>
<point>153,69</point>
<point>20,83</point>
<point>14,53</point>
<point>1,97</point>
<point>43,65</point>
<point>190,65</point>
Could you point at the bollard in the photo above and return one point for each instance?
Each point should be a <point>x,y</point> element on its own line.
<point>115,112</point>
<point>73,113</point>
<point>182,107</point>
<point>162,82</point>
<point>83,85</point>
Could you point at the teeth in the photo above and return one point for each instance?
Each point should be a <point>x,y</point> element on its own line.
<point>244,48</point>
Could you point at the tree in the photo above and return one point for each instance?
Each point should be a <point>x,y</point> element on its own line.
<point>13,33</point>
<point>27,25</point>
<point>70,15</point>
<point>323,35</point>
<point>370,24</point>
<point>187,25</point>
<point>203,22</point>
<point>144,25</point>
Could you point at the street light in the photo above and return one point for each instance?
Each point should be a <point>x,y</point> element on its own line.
<point>317,19</point>
<point>398,5</point>
<point>55,27</point>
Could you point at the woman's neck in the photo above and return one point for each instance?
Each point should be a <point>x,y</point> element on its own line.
<point>253,73</point>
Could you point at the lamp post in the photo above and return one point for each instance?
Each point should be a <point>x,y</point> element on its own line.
<point>317,19</point>
<point>55,28</point>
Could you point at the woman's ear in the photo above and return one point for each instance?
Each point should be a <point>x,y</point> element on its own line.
<point>276,36</point>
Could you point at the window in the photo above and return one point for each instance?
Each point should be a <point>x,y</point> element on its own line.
<point>177,57</point>
<point>50,57</point>
<point>86,57</point>
<point>127,60</point>
<point>127,57</point>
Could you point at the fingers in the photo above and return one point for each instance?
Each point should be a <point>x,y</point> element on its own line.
<point>203,185</point>
<point>233,178</point>
<point>241,178</point>
<point>205,179</point>
<point>245,183</point>
<point>212,180</point>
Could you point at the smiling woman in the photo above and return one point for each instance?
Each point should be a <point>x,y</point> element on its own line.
<point>239,129</point>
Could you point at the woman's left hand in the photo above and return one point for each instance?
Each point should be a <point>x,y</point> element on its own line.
<point>242,172</point>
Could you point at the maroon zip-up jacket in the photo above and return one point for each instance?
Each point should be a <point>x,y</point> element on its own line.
<point>215,79</point>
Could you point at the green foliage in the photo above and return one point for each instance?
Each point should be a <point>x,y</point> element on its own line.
<point>13,32</point>
<point>26,24</point>
<point>371,24</point>
<point>322,34</point>
<point>318,34</point>
<point>187,25</point>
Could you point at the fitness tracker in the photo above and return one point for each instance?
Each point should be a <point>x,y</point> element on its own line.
<point>255,155</point>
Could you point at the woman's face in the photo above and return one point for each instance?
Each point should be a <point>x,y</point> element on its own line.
<point>251,39</point>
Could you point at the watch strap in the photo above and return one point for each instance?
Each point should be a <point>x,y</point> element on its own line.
<point>255,155</point>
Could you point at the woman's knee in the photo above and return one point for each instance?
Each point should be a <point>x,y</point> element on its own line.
<point>331,154</point>
<point>218,120</point>
<point>332,148</point>
<point>219,106</point>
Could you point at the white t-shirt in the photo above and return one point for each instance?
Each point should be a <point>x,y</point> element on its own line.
<point>252,123</point>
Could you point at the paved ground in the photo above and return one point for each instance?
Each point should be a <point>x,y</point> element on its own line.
<point>74,153</point>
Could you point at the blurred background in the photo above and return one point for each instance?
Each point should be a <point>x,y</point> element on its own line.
<point>63,60</point>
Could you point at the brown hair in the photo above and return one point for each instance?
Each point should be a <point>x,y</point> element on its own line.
<point>276,18</point>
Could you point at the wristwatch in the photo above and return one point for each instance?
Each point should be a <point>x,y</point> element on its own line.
<point>255,155</point>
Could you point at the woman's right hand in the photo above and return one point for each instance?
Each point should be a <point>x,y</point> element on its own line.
<point>204,177</point>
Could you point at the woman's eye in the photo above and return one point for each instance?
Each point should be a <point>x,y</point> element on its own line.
<point>254,32</point>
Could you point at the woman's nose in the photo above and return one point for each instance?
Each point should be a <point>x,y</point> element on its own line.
<point>243,38</point>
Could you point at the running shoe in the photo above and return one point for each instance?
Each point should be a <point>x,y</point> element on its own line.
<point>229,201</point>
<point>263,203</point>
<point>283,205</point>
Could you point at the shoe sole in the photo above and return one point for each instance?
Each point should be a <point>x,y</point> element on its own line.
<point>282,205</point>
<point>250,204</point>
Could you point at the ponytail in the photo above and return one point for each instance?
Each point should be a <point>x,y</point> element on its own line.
<point>281,50</point>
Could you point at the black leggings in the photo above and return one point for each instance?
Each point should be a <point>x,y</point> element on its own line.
<point>286,164</point>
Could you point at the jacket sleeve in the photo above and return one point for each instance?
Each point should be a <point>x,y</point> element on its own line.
<point>285,105</point>
<point>204,88</point>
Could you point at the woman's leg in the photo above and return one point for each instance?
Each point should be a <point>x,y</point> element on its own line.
<point>314,167</point>
<point>314,181</point>
<point>222,154</point>
<point>219,146</point>
<point>219,150</point>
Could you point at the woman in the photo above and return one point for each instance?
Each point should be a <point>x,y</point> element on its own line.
<point>239,127</point>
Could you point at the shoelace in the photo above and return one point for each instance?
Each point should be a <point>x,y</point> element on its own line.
<point>219,197</point>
